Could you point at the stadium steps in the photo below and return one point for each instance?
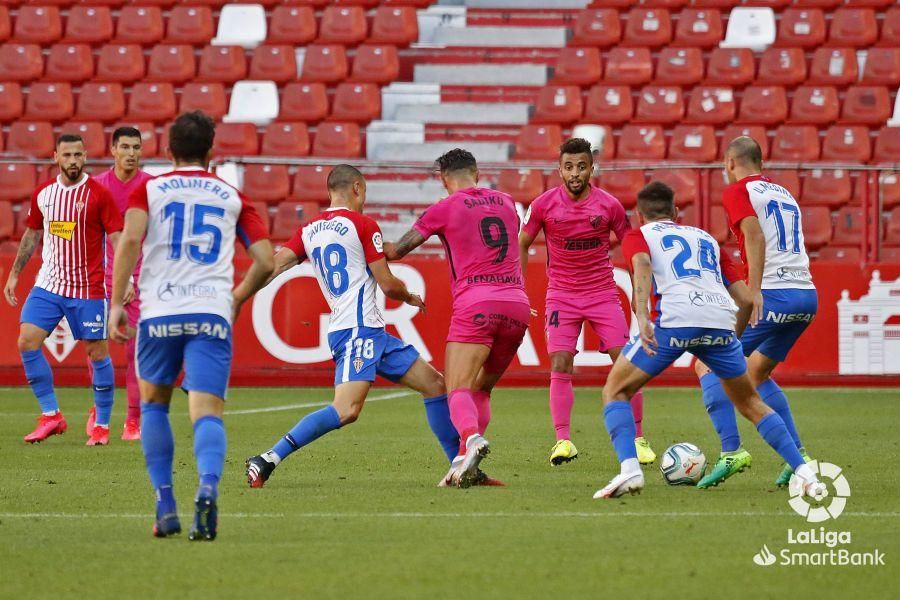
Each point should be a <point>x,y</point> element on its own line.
<point>466,112</point>
<point>483,74</point>
<point>428,151</point>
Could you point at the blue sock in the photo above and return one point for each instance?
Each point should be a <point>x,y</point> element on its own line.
<point>158,444</point>
<point>620,425</point>
<point>40,378</point>
<point>310,428</point>
<point>209,449</point>
<point>772,395</point>
<point>437,411</point>
<point>773,430</point>
<point>104,390</point>
<point>721,412</point>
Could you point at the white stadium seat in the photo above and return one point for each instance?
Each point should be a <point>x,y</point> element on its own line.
<point>752,28</point>
<point>253,102</point>
<point>241,25</point>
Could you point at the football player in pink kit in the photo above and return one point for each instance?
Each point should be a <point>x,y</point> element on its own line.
<point>577,219</point>
<point>490,307</point>
<point>121,180</point>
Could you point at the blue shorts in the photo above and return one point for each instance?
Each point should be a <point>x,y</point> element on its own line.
<point>200,343</point>
<point>786,315</point>
<point>86,318</point>
<point>719,349</point>
<point>363,352</point>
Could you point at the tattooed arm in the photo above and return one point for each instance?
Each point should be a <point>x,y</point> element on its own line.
<point>411,240</point>
<point>643,275</point>
<point>26,248</point>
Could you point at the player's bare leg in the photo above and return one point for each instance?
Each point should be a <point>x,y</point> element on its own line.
<point>646,455</point>
<point>103,380</point>
<point>463,363</point>
<point>562,398</point>
<point>40,378</point>
<point>158,446</point>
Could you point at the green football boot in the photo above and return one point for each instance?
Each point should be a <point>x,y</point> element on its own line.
<point>728,464</point>
<point>784,478</point>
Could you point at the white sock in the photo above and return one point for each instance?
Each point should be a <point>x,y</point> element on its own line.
<point>270,456</point>
<point>630,466</point>
<point>806,474</point>
<point>51,413</point>
<point>471,437</point>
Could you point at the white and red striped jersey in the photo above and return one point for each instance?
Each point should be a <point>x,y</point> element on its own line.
<point>341,243</point>
<point>75,220</point>
<point>787,264</point>
<point>194,219</point>
<point>689,282</point>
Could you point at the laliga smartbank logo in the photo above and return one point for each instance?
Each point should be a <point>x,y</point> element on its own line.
<point>824,506</point>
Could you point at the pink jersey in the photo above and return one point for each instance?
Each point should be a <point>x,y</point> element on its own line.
<point>120,191</point>
<point>577,240</point>
<point>478,227</point>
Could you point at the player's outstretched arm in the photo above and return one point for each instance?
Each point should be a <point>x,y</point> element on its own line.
<point>525,241</point>
<point>27,245</point>
<point>643,277</point>
<point>755,247</point>
<point>258,275</point>
<point>128,248</point>
<point>392,286</point>
<point>411,240</point>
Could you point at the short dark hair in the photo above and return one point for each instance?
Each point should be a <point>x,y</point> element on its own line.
<point>343,176</point>
<point>456,160</point>
<point>125,131</point>
<point>575,146</point>
<point>746,151</point>
<point>68,138</point>
<point>191,136</point>
<point>655,200</point>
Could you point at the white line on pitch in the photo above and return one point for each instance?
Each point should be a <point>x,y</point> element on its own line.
<point>268,409</point>
<point>445,515</point>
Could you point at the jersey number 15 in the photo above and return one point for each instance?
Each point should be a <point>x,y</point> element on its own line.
<point>199,214</point>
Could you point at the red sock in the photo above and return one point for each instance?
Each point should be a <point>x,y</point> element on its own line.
<point>483,404</point>
<point>463,414</point>
<point>562,397</point>
<point>637,410</point>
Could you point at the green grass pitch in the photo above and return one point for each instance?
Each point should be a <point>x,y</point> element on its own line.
<point>357,514</point>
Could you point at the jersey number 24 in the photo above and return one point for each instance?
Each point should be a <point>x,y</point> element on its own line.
<point>706,257</point>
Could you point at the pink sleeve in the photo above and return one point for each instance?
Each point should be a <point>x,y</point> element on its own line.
<point>634,243</point>
<point>737,205</point>
<point>371,239</point>
<point>619,221</point>
<point>534,218</point>
<point>295,245</point>
<point>432,220</point>
<point>250,226</point>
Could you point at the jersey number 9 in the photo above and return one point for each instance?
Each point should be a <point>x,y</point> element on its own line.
<point>494,235</point>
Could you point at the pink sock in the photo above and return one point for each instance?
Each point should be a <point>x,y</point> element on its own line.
<point>131,383</point>
<point>562,397</point>
<point>637,410</point>
<point>463,414</point>
<point>483,404</point>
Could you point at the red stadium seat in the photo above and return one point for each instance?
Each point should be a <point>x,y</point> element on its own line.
<point>5,24</point>
<point>292,25</point>
<point>716,3</point>
<point>848,225</point>
<point>853,28</point>
<point>698,27</point>
<point>31,139</point>
<point>890,28</point>
<point>684,182</point>
<point>889,255</point>
<point>826,187</point>
<point>89,24</point>
<point>892,227</point>
<point>597,27</point>
<point>578,66</point>
<point>397,25</point>
<point>869,3</point>
<point>670,4</point>
<point>644,142</point>
<point>834,66</point>
<point>153,102</point>
<point>539,142</point>
<point>191,25</point>
<point>17,181</point>
<point>337,140</point>
<point>757,132</point>
<point>866,105</point>
<point>882,66</point>
<point>226,64</point>
<point>801,28</point>
<point>730,66</point>
<point>306,102</point>
<point>718,224</point>
<point>69,62</point>
<point>623,184</point>
<point>92,134</point>
<point>344,25</point>
<point>714,105</point>
<point>7,222</point>
<point>558,104</point>
<point>788,179</point>
<point>796,143</point>
<point>659,104</point>
<point>717,184</point>
<point>628,66</point>
<point>50,102</point>
<point>149,144</point>
<point>782,66</point>
<point>274,63</point>
<point>609,104</point>
<point>850,254</point>
<point>327,64</point>
<point>11,103</point>
<point>266,183</point>
<point>139,25</point>
<point>263,212</point>
<point>171,63</point>
<point>121,63</point>
<point>207,97</point>
<point>847,143</point>
<point>817,3</point>
<point>357,102</point>
<point>817,105</point>
<point>310,184</point>
<point>236,139</point>
<point>376,64</point>
<point>679,66</point>
<point>817,229</point>
<point>889,183</point>
<point>21,62</point>
<point>650,28</point>
<point>696,143</point>
<point>523,185</point>
<point>887,145</point>
<point>100,102</point>
<point>290,216</point>
<point>773,4</point>
<point>765,105</point>
<point>285,139</point>
<point>37,25</point>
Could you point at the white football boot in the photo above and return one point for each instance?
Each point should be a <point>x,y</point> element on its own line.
<point>623,483</point>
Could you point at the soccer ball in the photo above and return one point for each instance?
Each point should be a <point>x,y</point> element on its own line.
<point>682,464</point>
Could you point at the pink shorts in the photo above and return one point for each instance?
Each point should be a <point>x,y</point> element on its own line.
<point>565,317</point>
<point>498,324</point>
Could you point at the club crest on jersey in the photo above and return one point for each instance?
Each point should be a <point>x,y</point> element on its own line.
<point>63,229</point>
<point>596,221</point>
<point>358,364</point>
<point>79,206</point>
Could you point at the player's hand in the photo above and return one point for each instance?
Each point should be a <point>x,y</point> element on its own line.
<point>128,298</point>
<point>416,300</point>
<point>534,312</point>
<point>9,291</point>
<point>235,311</point>
<point>756,311</point>
<point>116,323</point>
<point>648,336</point>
